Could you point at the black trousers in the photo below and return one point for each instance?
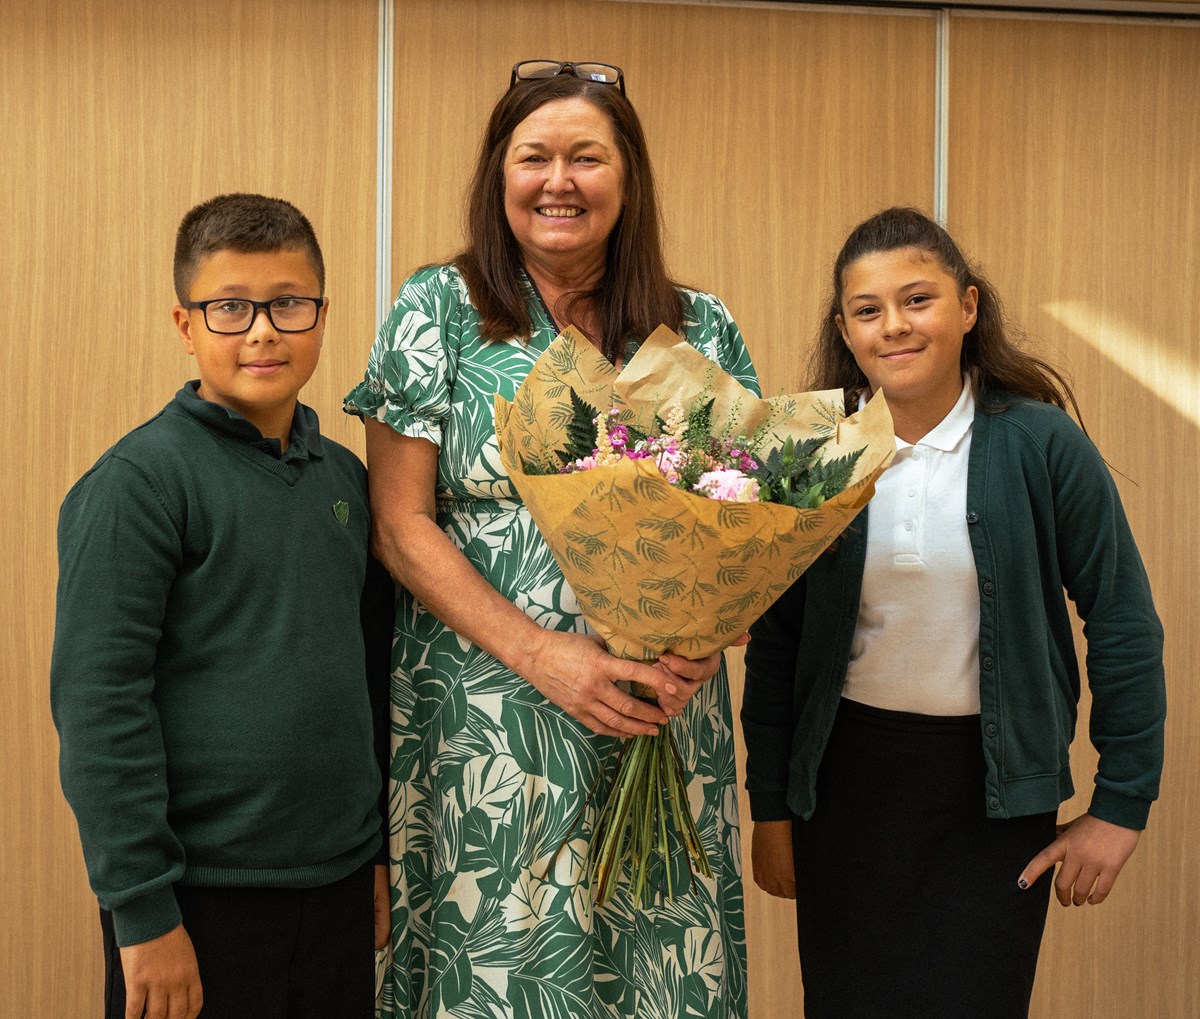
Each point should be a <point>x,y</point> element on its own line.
<point>907,901</point>
<point>273,953</point>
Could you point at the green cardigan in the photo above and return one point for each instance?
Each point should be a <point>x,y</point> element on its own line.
<point>220,667</point>
<point>1043,516</point>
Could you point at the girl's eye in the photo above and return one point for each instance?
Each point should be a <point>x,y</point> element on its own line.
<point>865,310</point>
<point>919,299</point>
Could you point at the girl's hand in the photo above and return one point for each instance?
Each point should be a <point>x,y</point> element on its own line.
<point>1090,854</point>
<point>771,858</point>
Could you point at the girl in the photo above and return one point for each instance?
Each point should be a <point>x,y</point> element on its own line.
<point>911,700</point>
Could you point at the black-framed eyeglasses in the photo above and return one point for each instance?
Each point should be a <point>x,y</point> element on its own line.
<point>232,315</point>
<point>604,74</point>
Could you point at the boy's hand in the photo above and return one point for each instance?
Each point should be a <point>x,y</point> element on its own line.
<point>383,907</point>
<point>162,980</point>
<point>1090,853</point>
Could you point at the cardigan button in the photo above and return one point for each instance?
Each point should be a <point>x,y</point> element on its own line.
<point>988,587</point>
<point>993,802</point>
<point>990,730</point>
<point>972,517</point>
<point>987,661</point>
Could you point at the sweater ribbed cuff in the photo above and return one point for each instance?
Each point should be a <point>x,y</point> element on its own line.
<point>769,805</point>
<point>1126,811</point>
<point>146,917</point>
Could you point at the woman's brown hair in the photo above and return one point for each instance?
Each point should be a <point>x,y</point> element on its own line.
<point>992,357</point>
<point>635,295</point>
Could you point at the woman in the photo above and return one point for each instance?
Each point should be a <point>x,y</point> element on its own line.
<point>504,709</point>
<point>911,700</point>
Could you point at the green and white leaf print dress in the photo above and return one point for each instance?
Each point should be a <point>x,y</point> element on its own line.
<point>488,778</point>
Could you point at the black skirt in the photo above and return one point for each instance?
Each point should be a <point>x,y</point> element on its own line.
<point>906,891</point>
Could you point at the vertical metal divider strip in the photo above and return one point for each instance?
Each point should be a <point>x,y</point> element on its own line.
<point>941,108</point>
<point>386,68</point>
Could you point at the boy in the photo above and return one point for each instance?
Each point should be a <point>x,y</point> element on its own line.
<point>219,677</point>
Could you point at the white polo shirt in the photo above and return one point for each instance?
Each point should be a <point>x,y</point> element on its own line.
<point>916,643</point>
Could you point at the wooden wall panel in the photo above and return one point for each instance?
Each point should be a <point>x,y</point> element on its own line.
<point>118,116</point>
<point>772,133</point>
<point>1073,178</point>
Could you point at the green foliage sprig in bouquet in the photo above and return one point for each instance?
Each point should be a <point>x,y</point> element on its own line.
<point>792,475</point>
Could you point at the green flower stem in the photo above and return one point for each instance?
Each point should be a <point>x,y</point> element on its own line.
<point>648,797</point>
<point>611,824</point>
<point>663,849</point>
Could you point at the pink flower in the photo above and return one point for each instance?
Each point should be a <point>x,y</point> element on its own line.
<point>728,486</point>
<point>668,462</point>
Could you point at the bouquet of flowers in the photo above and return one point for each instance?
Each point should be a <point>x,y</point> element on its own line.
<point>679,507</point>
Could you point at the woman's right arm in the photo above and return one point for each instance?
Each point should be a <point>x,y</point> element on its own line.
<point>570,669</point>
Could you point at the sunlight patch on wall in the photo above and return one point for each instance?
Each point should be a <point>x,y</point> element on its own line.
<point>1140,355</point>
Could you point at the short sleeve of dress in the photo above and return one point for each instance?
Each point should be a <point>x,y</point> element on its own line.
<point>411,368</point>
<point>709,327</point>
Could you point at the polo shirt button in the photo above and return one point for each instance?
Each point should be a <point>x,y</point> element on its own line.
<point>987,661</point>
<point>972,518</point>
<point>988,587</point>
<point>994,802</point>
<point>990,730</point>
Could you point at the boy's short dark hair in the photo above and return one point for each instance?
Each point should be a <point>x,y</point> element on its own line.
<point>246,223</point>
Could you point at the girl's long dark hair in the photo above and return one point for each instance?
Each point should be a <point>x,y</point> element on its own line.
<point>635,295</point>
<point>992,356</point>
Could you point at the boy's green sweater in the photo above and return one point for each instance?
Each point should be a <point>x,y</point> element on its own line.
<point>219,676</point>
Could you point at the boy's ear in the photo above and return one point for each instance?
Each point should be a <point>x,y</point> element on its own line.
<point>183,323</point>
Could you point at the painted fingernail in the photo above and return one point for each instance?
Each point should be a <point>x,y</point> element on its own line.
<point>1022,883</point>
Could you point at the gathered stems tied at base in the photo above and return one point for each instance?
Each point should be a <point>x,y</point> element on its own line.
<point>646,802</point>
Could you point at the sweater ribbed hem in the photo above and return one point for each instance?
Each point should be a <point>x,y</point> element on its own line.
<point>310,876</point>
